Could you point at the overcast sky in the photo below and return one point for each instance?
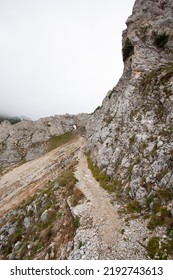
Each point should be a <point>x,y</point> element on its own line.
<point>59,56</point>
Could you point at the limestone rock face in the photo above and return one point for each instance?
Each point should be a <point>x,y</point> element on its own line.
<point>131,135</point>
<point>27,139</point>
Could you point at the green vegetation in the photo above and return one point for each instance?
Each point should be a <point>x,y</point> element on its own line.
<point>160,39</point>
<point>154,79</point>
<point>163,218</point>
<point>144,145</point>
<point>43,213</point>
<point>100,176</point>
<point>133,206</point>
<point>80,244</point>
<point>132,140</point>
<point>133,114</point>
<point>67,179</point>
<point>108,118</point>
<point>57,141</point>
<point>159,249</point>
<point>76,222</point>
<point>105,181</point>
<point>118,188</point>
<point>39,234</point>
<point>139,118</point>
<point>127,49</point>
<point>154,151</point>
<point>143,32</point>
<point>168,92</point>
<point>76,197</point>
<point>160,215</point>
<point>167,132</point>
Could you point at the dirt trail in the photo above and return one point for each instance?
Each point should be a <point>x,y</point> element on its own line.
<point>102,212</point>
<point>23,181</point>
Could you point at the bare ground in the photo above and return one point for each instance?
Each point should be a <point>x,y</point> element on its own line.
<point>101,211</point>
<point>24,180</point>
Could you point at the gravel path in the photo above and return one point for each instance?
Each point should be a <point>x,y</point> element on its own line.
<point>102,233</point>
<point>99,221</point>
<point>104,215</point>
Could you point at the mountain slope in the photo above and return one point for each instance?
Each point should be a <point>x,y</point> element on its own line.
<point>129,151</point>
<point>131,136</point>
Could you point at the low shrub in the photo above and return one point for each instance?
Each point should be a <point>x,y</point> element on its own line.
<point>100,176</point>
<point>76,222</point>
<point>127,49</point>
<point>68,180</point>
<point>133,206</point>
<point>76,197</point>
<point>159,249</point>
<point>160,39</point>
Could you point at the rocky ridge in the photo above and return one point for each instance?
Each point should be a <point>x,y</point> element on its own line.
<point>130,137</point>
<point>28,139</point>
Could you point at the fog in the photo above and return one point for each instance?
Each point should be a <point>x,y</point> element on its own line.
<point>59,56</point>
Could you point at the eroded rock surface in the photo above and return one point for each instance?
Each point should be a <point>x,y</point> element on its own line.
<point>131,135</point>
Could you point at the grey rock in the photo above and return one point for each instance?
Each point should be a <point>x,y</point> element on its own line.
<point>11,230</point>
<point>33,153</point>
<point>17,245</point>
<point>28,139</point>
<point>2,237</point>
<point>44,216</point>
<point>11,256</point>
<point>26,222</point>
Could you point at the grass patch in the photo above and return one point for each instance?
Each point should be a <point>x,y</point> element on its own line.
<point>158,249</point>
<point>67,179</point>
<point>76,197</point>
<point>80,244</point>
<point>57,141</point>
<point>76,222</point>
<point>100,176</point>
<point>132,140</point>
<point>163,218</point>
<point>133,206</point>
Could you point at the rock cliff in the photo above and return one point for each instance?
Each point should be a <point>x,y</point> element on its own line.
<point>130,136</point>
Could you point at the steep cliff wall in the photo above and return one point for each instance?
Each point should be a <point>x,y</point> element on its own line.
<point>131,135</point>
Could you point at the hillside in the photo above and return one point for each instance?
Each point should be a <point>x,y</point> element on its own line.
<point>98,186</point>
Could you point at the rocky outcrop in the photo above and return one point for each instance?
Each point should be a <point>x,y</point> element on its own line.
<point>28,139</point>
<point>131,135</point>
